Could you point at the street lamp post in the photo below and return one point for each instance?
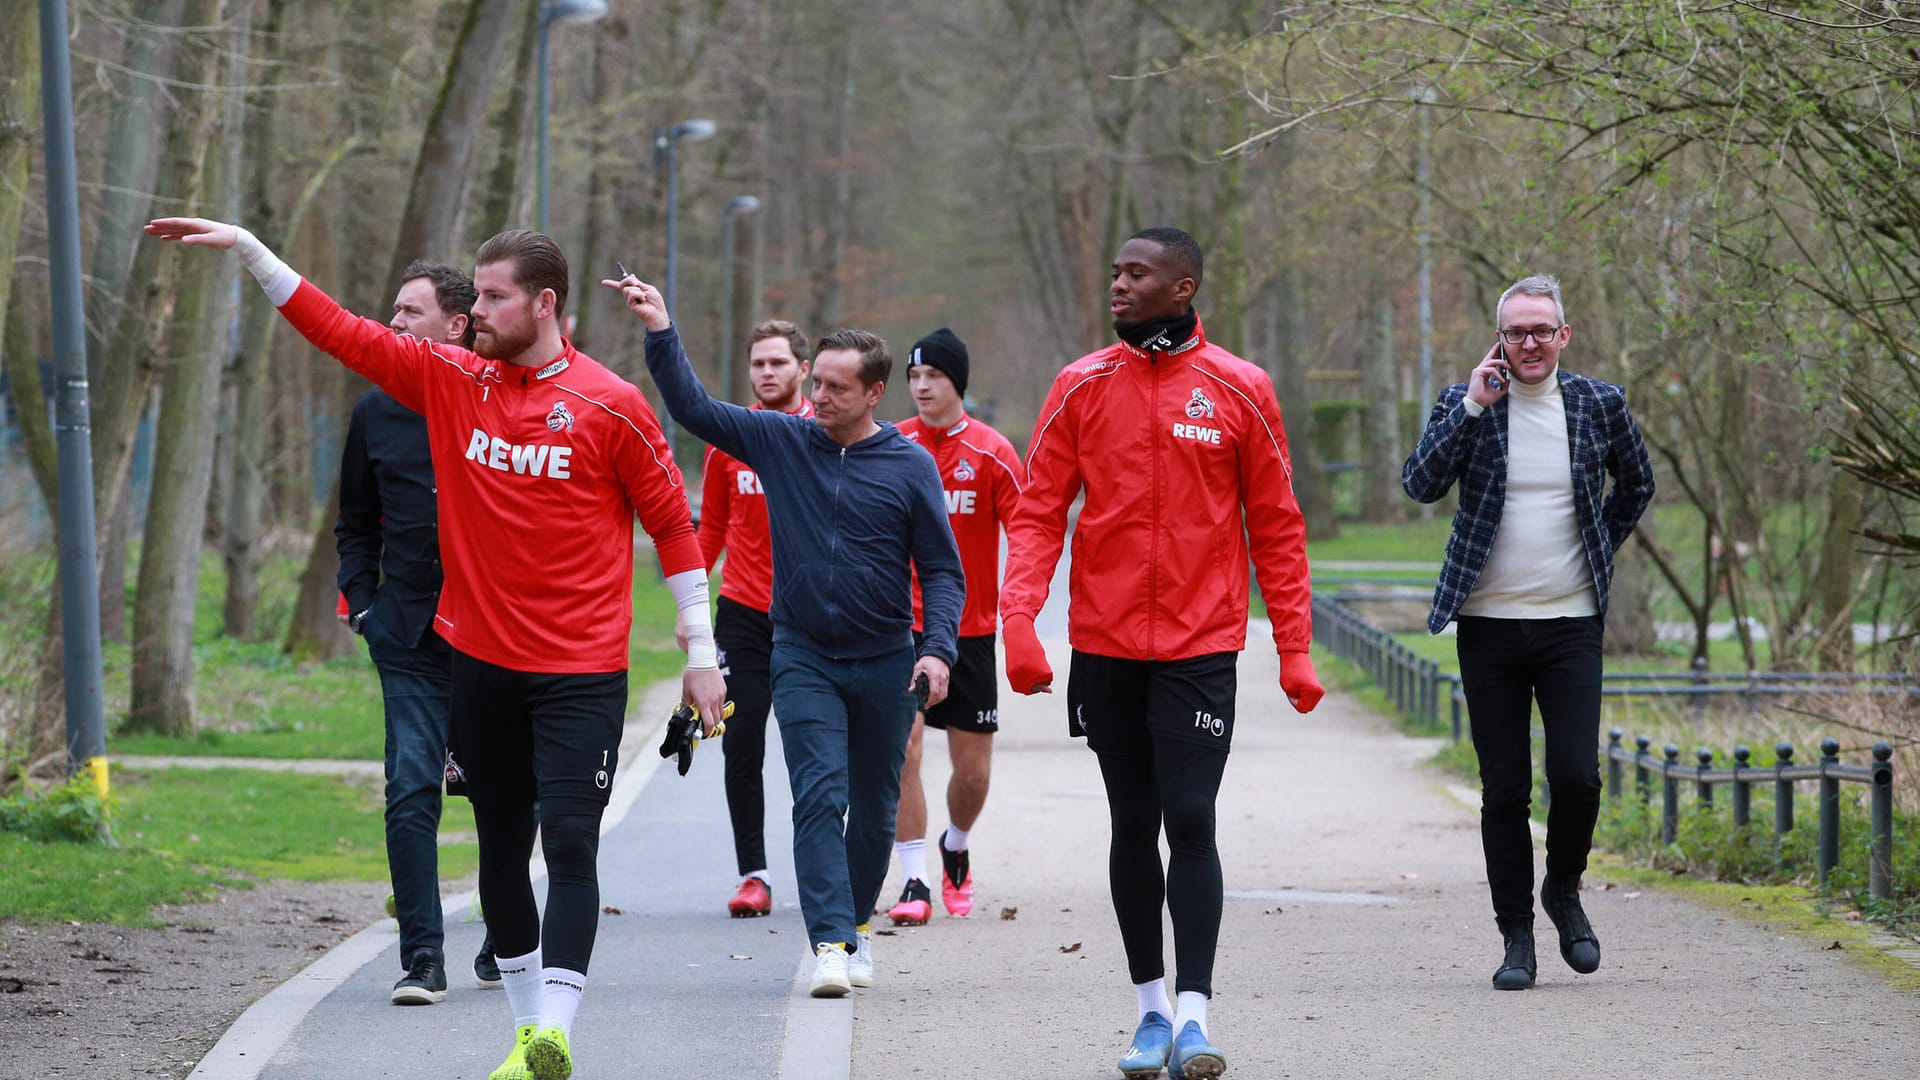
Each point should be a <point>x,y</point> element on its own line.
<point>739,204</point>
<point>564,12</point>
<point>666,142</point>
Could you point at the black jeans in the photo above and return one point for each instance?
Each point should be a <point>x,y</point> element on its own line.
<point>745,638</point>
<point>1505,666</point>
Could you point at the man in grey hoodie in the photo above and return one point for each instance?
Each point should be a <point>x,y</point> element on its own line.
<point>854,508</point>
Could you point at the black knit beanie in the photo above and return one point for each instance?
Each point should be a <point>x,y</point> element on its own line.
<point>944,352</point>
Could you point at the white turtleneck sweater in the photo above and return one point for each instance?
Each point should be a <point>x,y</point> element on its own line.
<point>1537,568</point>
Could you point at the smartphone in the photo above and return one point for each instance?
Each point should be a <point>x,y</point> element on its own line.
<point>1500,353</point>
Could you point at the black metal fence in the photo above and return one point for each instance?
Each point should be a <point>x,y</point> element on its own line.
<point>1417,686</point>
<point>1421,689</point>
<point>1783,774</point>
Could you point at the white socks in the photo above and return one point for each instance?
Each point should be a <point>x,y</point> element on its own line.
<point>520,977</point>
<point>540,996</point>
<point>560,991</point>
<point>913,858</point>
<point>956,838</point>
<point>762,875</point>
<point>1153,998</point>
<point>1193,1006</point>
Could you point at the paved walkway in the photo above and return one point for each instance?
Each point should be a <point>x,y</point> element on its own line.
<point>1357,943</point>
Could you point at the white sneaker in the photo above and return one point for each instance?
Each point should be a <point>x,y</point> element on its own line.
<point>860,964</point>
<point>830,970</point>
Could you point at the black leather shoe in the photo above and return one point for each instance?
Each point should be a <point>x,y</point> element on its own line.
<point>425,982</point>
<point>486,970</point>
<point>1517,967</point>
<point>1578,947</point>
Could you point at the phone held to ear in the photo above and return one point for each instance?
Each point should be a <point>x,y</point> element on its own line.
<point>1500,353</point>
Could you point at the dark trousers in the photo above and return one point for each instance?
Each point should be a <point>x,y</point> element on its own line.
<point>1506,665</point>
<point>844,727</point>
<point>414,686</point>
<point>745,638</point>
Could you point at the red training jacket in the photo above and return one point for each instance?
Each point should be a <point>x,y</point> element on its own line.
<point>733,519</point>
<point>539,474</point>
<point>1185,468</point>
<point>981,475</point>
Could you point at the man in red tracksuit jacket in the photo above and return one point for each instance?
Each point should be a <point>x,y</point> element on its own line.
<point>733,519</point>
<point>1178,446</point>
<point>541,459</point>
<point>980,473</point>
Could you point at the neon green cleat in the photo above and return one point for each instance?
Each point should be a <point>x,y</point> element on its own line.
<point>548,1056</point>
<point>390,907</point>
<point>515,1067</point>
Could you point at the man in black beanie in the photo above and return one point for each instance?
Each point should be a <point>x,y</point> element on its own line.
<point>981,474</point>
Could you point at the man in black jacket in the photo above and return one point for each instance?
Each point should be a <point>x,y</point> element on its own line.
<point>390,579</point>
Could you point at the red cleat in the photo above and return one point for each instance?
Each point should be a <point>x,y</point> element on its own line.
<point>752,899</point>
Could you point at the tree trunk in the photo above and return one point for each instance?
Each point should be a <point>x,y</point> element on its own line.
<point>1287,347</point>
<point>1384,497</point>
<point>199,347</point>
<point>121,380</point>
<point>1630,627</point>
<point>837,216</point>
<point>426,229</point>
<point>1834,581</point>
<point>19,119</point>
<point>246,423</point>
<point>509,134</point>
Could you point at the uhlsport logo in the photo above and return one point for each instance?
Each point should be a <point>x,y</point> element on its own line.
<point>561,419</point>
<point>963,471</point>
<point>1199,405</point>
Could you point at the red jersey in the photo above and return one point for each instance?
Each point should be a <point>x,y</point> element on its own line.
<point>539,474</point>
<point>981,475</point>
<point>1184,464</point>
<point>733,518</point>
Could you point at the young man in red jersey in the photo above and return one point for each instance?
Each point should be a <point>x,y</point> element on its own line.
<point>733,519</point>
<point>541,458</point>
<point>1177,444</point>
<point>981,474</point>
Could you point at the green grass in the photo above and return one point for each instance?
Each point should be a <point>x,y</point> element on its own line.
<point>181,832</point>
<point>1416,541</point>
<point>255,702</point>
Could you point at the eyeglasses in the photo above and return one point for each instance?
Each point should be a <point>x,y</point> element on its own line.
<point>1541,334</point>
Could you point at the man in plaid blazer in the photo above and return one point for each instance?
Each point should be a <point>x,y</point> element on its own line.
<point>1525,578</point>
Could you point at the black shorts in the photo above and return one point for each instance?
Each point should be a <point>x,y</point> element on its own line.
<point>1124,706</point>
<point>973,694</point>
<point>521,735</point>
<point>745,640</point>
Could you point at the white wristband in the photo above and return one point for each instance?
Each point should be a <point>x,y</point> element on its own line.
<point>276,277</point>
<point>690,593</point>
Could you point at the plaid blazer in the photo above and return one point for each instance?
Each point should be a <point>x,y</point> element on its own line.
<point>1602,441</point>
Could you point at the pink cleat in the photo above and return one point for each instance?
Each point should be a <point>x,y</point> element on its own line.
<point>915,906</point>
<point>956,882</point>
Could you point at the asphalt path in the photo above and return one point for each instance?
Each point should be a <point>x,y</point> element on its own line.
<point>676,986</point>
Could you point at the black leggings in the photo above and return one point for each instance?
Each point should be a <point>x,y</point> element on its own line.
<point>1175,783</point>
<point>570,840</point>
<point>745,636</point>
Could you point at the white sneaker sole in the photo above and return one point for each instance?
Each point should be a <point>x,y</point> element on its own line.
<point>831,988</point>
<point>416,995</point>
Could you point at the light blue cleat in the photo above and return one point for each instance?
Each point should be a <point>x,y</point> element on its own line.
<point>1152,1042</point>
<point>1193,1057</point>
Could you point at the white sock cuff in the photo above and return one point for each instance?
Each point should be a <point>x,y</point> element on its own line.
<point>913,858</point>
<point>956,838</point>
<point>765,877</point>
